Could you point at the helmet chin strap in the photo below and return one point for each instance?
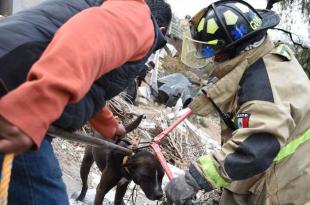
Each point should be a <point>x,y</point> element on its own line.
<point>252,43</point>
<point>255,44</point>
<point>222,57</point>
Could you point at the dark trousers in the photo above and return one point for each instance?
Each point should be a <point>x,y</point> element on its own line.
<point>37,179</point>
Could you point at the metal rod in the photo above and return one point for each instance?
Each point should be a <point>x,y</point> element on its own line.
<point>162,160</point>
<point>93,141</point>
<point>158,138</point>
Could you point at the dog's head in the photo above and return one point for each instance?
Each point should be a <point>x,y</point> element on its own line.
<point>146,171</point>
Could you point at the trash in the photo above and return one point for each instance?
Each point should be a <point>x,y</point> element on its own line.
<point>173,87</point>
<point>147,125</point>
<point>145,92</point>
<point>172,51</point>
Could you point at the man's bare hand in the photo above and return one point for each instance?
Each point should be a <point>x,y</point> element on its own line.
<point>120,132</point>
<point>12,139</point>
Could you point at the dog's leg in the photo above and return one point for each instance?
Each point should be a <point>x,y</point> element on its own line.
<point>87,162</point>
<point>107,182</point>
<point>120,191</point>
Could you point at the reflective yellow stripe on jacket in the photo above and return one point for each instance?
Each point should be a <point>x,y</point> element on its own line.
<point>213,174</point>
<point>292,146</point>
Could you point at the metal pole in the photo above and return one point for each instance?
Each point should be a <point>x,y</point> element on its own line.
<point>162,160</point>
<point>6,7</point>
<point>158,138</point>
<point>171,127</point>
<point>93,141</point>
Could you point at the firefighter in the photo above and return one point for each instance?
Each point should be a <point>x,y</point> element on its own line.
<point>263,98</point>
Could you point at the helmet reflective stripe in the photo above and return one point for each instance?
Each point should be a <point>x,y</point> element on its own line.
<point>213,42</point>
<point>212,26</point>
<point>230,18</point>
<point>201,25</point>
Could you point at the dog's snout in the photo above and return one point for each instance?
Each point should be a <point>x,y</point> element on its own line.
<point>155,195</point>
<point>158,195</point>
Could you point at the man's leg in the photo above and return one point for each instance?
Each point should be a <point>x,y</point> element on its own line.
<point>36,178</point>
<point>131,92</point>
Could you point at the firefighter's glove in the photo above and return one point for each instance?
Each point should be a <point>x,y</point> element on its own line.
<point>181,190</point>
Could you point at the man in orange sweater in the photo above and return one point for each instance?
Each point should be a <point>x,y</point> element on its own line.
<point>98,48</point>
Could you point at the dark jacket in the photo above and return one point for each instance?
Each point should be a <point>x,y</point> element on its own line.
<point>25,35</point>
<point>39,23</point>
<point>18,59</point>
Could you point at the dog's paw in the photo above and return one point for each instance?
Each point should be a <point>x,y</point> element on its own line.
<point>77,197</point>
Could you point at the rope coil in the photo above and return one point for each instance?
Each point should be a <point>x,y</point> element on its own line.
<point>5,178</point>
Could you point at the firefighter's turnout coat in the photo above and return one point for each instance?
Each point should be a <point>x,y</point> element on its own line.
<point>265,160</point>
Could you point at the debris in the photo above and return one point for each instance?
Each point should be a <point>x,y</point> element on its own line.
<point>173,87</point>
<point>145,125</point>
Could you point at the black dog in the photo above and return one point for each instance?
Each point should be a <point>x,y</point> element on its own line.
<point>117,169</point>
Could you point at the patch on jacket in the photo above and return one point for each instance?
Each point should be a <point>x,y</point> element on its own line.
<point>282,50</point>
<point>242,120</point>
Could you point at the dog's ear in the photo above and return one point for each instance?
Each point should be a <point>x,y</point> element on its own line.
<point>133,125</point>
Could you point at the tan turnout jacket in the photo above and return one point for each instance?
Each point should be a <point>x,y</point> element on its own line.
<point>266,159</point>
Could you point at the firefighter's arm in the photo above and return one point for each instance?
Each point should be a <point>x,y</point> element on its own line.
<point>251,150</point>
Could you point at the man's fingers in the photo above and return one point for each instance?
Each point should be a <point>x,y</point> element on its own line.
<point>18,145</point>
<point>13,139</point>
<point>120,132</point>
<point>7,129</point>
<point>15,144</point>
<point>6,146</point>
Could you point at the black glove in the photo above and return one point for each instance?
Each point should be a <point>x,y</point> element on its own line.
<point>181,190</point>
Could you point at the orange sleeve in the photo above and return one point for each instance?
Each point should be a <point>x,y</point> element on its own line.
<point>105,123</point>
<point>90,44</point>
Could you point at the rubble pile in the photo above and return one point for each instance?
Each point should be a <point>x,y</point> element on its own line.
<point>182,146</point>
